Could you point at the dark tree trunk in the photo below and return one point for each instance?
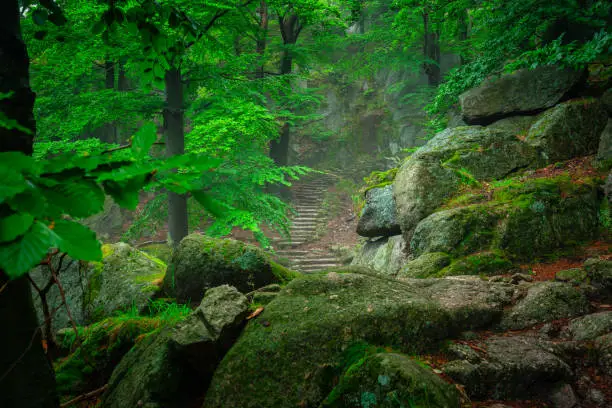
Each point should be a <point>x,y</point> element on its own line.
<point>122,83</point>
<point>178,226</point>
<point>290,30</point>
<point>109,131</point>
<point>431,51</point>
<point>262,37</point>
<point>26,378</point>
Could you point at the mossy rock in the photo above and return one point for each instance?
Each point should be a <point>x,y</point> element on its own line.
<point>485,263</point>
<point>574,276</point>
<point>126,278</point>
<point>200,263</point>
<point>456,231</point>
<point>384,255</point>
<point>425,266</point>
<point>591,326</point>
<point>378,217</point>
<point>545,302</point>
<point>298,342</point>
<point>391,380</point>
<point>571,129</point>
<point>517,125</point>
<point>599,275</point>
<point>453,158</point>
<point>524,219</point>
<point>103,345</point>
<point>162,252</point>
<point>519,92</point>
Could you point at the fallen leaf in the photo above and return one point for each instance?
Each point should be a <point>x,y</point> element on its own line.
<point>256,313</point>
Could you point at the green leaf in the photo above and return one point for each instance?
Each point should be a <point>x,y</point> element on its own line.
<point>77,240</point>
<point>76,197</point>
<point>217,208</point>
<point>14,225</point>
<point>143,140</point>
<point>18,257</point>
<point>125,193</point>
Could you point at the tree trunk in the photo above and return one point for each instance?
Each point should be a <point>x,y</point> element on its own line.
<point>26,378</point>
<point>109,131</point>
<point>431,51</point>
<point>464,29</point>
<point>178,226</point>
<point>262,37</point>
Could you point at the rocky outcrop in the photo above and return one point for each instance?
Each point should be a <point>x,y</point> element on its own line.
<point>599,276</point>
<point>591,326</point>
<point>297,343</point>
<point>384,255</point>
<point>453,158</point>
<point>512,367</point>
<point>606,99</point>
<point>604,152</point>
<point>523,91</point>
<point>425,266</point>
<point>519,220</point>
<point>201,263</point>
<point>544,302</point>
<point>378,217</point>
<point>125,278</point>
<point>169,366</point>
<point>568,130</point>
<point>390,379</point>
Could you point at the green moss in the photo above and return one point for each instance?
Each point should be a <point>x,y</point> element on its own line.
<point>379,179</point>
<point>158,252</point>
<point>283,274</point>
<point>488,263</point>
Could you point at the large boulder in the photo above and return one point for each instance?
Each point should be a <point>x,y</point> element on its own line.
<point>606,99</point>
<point>512,367</point>
<point>378,217</point>
<point>74,277</point>
<point>388,380</point>
<point>517,125</point>
<point>568,130</point>
<point>603,348</point>
<point>591,326</point>
<point>604,152</point>
<point>522,218</point>
<point>297,344</point>
<point>599,275</point>
<point>200,263</point>
<point>425,266</point>
<point>126,278</point>
<point>545,302</point>
<point>523,91</point>
<point>171,367</point>
<point>385,255</point>
<point>453,158</point>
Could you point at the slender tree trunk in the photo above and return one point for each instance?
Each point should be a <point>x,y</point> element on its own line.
<point>109,131</point>
<point>178,226</point>
<point>262,37</point>
<point>26,378</point>
<point>122,83</point>
<point>431,51</point>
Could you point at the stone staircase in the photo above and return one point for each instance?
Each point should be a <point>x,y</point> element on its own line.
<point>307,199</point>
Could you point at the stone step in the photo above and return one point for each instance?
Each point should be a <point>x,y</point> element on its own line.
<point>318,268</point>
<point>304,219</point>
<point>314,261</point>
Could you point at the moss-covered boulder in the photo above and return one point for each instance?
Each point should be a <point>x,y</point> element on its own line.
<point>591,326</point>
<point>425,266</point>
<point>483,263</point>
<point>606,99</point>
<point>513,367</point>
<point>126,278</point>
<point>599,275</point>
<point>604,151</point>
<point>568,130</point>
<point>458,231</point>
<point>378,217</point>
<point>522,219</point>
<point>200,263</point>
<point>391,380</point>
<point>161,251</point>
<point>385,255</point>
<point>517,125</point>
<point>74,277</point>
<point>453,158</point>
<point>171,367</point>
<point>574,276</point>
<point>603,348</point>
<point>297,343</point>
<point>545,302</point>
<point>522,91</point>
<point>102,346</point>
